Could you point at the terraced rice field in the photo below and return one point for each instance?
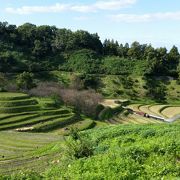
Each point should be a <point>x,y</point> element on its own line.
<point>156,109</point>
<point>161,110</point>
<point>34,149</point>
<point>23,151</point>
<point>171,111</point>
<point>20,112</point>
<point>132,119</point>
<point>166,111</point>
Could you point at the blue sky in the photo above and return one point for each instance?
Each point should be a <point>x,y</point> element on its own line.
<point>147,21</point>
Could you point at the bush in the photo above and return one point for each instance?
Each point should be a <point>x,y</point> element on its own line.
<point>25,81</point>
<point>78,146</point>
<point>99,108</point>
<point>106,113</point>
<point>3,82</point>
<point>84,101</point>
<point>149,133</point>
<point>45,89</point>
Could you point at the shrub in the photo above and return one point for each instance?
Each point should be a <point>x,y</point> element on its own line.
<point>25,81</point>
<point>99,108</point>
<point>57,100</point>
<point>106,113</point>
<point>84,101</point>
<point>45,89</point>
<point>12,87</point>
<point>3,82</point>
<point>149,133</point>
<point>78,146</point>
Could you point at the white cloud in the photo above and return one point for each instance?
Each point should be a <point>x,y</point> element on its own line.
<point>38,9</point>
<point>81,18</point>
<point>130,18</point>
<point>114,4</point>
<point>84,8</point>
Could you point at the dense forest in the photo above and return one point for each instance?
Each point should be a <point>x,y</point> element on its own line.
<point>43,48</point>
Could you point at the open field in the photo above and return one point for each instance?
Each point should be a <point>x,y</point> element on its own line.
<point>17,151</point>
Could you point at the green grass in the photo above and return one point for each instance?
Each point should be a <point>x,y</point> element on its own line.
<point>79,125</point>
<point>23,102</point>
<point>20,151</point>
<point>126,152</point>
<point>12,96</point>
<point>19,111</point>
<point>54,123</point>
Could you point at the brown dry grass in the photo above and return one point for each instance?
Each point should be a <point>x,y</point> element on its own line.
<point>171,111</point>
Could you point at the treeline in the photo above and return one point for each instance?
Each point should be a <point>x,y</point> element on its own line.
<point>43,48</point>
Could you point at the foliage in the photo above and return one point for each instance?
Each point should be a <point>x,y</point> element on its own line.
<point>3,82</point>
<point>78,146</point>
<point>85,81</point>
<point>156,89</point>
<point>109,112</point>
<point>84,101</point>
<point>127,152</point>
<point>122,66</point>
<point>39,48</point>
<point>178,70</point>
<point>25,81</point>
<point>84,61</point>
<point>105,114</point>
<point>99,108</point>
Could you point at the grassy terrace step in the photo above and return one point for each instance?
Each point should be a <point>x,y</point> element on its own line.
<point>13,145</point>
<point>145,109</point>
<point>32,121</point>
<point>156,108</point>
<point>7,116</point>
<point>40,112</point>
<point>80,125</point>
<point>21,102</point>
<point>19,109</point>
<point>17,119</point>
<point>135,119</point>
<point>4,96</point>
<point>170,111</point>
<point>54,124</point>
<point>54,112</point>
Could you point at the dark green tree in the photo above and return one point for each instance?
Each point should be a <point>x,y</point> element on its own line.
<point>174,55</point>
